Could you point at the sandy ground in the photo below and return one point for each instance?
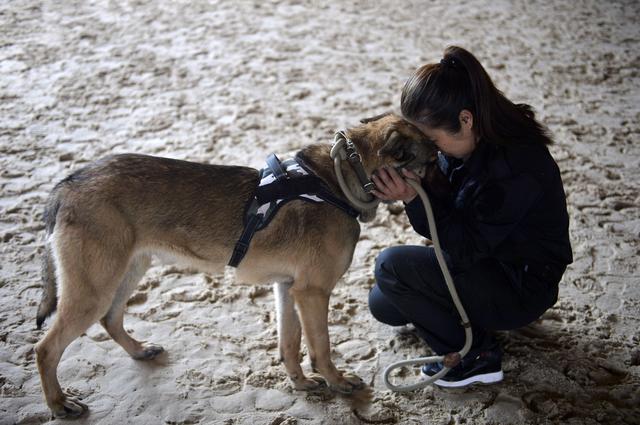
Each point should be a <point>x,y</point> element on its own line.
<point>230,82</point>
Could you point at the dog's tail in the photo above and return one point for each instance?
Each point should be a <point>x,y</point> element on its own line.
<point>49,301</point>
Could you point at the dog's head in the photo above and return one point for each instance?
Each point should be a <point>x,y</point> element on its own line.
<point>390,140</point>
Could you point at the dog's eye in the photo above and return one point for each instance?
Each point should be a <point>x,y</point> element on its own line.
<point>402,156</point>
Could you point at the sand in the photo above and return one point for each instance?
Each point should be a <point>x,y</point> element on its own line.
<point>232,81</point>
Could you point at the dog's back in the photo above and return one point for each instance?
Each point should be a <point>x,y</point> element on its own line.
<point>152,203</point>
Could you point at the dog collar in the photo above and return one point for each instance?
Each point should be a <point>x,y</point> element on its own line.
<point>346,149</point>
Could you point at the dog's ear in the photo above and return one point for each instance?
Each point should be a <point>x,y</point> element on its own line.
<point>375,118</point>
<point>396,145</point>
<point>402,142</point>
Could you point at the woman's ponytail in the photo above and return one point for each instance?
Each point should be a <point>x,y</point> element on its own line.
<point>436,94</point>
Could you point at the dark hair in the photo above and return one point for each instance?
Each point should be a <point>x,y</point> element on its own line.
<point>436,93</point>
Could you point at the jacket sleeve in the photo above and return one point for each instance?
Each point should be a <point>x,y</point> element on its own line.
<point>472,225</point>
<point>441,207</point>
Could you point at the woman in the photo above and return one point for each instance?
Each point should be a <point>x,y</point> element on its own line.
<point>500,213</point>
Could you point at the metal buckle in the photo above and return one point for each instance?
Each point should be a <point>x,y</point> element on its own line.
<point>354,157</point>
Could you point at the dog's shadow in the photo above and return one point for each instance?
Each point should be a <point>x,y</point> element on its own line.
<point>159,361</point>
<point>360,399</point>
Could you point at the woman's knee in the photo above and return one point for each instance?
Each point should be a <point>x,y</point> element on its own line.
<point>386,266</point>
<point>383,310</point>
<point>401,269</point>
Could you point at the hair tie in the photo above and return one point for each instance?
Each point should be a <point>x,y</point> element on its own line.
<point>449,62</point>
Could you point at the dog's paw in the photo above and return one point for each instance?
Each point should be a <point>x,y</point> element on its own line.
<point>316,387</point>
<point>311,384</point>
<point>348,384</point>
<point>148,352</point>
<point>69,408</point>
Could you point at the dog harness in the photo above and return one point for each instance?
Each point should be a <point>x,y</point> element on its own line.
<point>281,182</point>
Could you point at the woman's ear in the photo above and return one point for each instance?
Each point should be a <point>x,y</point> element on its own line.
<point>466,119</point>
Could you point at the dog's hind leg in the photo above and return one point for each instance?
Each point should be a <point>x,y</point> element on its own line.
<point>289,336</point>
<point>113,320</point>
<point>91,258</point>
<point>79,307</point>
<point>49,351</point>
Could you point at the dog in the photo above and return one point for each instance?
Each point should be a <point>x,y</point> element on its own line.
<point>105,221</point>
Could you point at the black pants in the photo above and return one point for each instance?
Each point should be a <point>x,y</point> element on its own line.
<point>410,288</point>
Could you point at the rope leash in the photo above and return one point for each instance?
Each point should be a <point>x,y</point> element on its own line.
<point>452,359</point>
<point>338,154</point>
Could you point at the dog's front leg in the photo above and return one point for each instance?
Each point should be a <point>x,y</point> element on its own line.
<point>313,304</point>
<point>289,335</point>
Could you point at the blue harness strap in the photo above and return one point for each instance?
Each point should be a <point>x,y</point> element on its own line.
<point>281,182</point>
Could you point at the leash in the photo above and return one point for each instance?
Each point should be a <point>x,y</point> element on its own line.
<point>449,360</point>
<point>343,149</point>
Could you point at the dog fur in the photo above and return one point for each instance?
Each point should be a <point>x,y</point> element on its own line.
<point>105,221</point>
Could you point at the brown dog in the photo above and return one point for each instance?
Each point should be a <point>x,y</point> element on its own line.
<point>106,220</point>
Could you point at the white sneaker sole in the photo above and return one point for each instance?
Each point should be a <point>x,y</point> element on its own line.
<point>485,378</point>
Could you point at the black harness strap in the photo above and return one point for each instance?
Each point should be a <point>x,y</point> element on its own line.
<point>283,189</point>
<point>276,167</point>
<point>242,245</point>
<point>326,194</point>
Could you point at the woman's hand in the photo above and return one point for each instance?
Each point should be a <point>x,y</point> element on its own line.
<point>391,186</point>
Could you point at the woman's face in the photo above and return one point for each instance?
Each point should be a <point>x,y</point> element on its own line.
<point>458,145</point>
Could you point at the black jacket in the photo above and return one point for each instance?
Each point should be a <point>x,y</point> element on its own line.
<point>506,203</point>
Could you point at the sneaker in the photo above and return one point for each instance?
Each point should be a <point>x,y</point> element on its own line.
<point>408,329</point>
<point>486,368</point>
